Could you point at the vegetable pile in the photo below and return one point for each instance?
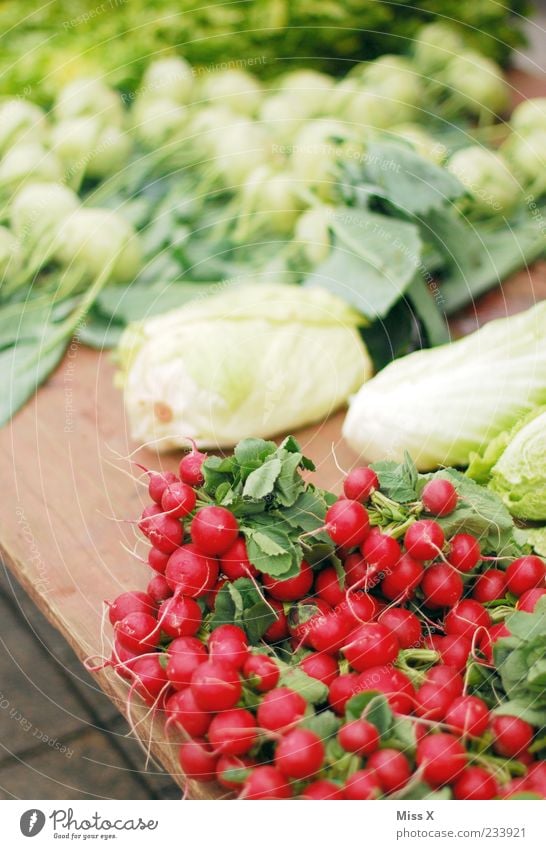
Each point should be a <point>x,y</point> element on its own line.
<point>50,44</point>
<point>378,186</point>
<point>389,643</point>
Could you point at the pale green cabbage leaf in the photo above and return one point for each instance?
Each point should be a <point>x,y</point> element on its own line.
<point>252,360</point>
<point>443,404</point>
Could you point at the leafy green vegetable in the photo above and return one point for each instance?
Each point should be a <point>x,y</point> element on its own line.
<point>373,260</point>
<point>240,603</point>
<point>397,480</point>
<point>372,706</point>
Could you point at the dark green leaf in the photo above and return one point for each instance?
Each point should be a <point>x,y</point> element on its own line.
<point>374,707</point>
<point>289,484</point>
<point>420,790</point>
<point>23,368</point>
<point>373,260</point>
<point>427,302</point>
<point>413,184</point>
<point>397,480</point>
<point>312,690</point>
<point>261,481</point>
<point>325,724</point>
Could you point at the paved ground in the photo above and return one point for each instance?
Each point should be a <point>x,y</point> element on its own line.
<point>60,737</point>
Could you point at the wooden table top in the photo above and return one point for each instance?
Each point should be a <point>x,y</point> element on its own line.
<point>67,477</point>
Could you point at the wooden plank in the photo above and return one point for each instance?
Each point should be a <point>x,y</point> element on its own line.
<point>68,484</point>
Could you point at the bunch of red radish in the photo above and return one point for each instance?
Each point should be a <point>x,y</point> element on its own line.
<point>405,621</point>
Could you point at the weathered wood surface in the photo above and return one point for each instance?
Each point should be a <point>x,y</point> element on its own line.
<point>66,479</point>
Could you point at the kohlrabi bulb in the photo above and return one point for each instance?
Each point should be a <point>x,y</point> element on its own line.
<point>85,145</point>
<point>434,46</point>
<point>281,116</point>
<point>274,195</point>
<point>527,157</point>
<point>238,149</point>
<point>171,79</point>
<point>475,84</point>
<point>20,121</point>
<point>38,208</point>
<point>234,88</point>
<point>487,178</point>
<point>371,110</point>
<point>310,91</point>
<point>88,96</point>
<point>29,161</point>
<point>157,122</point>
<point>317,151</point>
<point>422,142</point>
<point>312,233</point>
<point>529,115</point>
<point>93,239</point>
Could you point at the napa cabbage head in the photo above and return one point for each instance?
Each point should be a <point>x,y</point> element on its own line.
<point>445,403</point>
<point>252,360</point>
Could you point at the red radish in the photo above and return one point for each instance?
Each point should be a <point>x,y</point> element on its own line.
<point>130,602</point>
<point>262,672</point>
<point>266,782</point>
<point>158,589</point>
<point>488,638</point>
<point>190,468</point>
<point>424,539</point>
<point>321,790</point>
<point>137,632</point>
<point>198,760</point>
<point>229,643</point>
<point>180,617</point>
<point>278,630</point>
<point>328,587</point>
<point>164,532</point>
<point>468,715</point>
<point>445,678</point>
<point>280,709</point>
<point>395,686</point>
<point>302,617</point>
<point>149,676</point>
<point>403,578</point>
<point>404,624</point>
<point>358,607</point>
<point>214,530</point>
<point>343,688</point>
<point>212,595</point>
<point>300,754</point>
<point>372,644</point>
<point>529,599</point>
<point>216,685</point>
<point>234,563</point>
<point>323,667</point>
<point>360,483</point>
<point>475,783</point>
<point>121,659</point>
<point>158,560</point>
<point>362,784</point>
<point>157,484</point>
<point>536,778</point>
<point>464,552</point>
<point>454,650</point>
<point>442,758</point>
<point>233,732</point>
<point>148,512</point>
<point>359,736</point>
<point>525,573</point>
<point>381,550</point>
<point>441,586</point>
<point>232,770</point>
<point>189,572</point>
<point>391,768</point>
<point>439,497</point>
<point>290,589</point>
<point>182,710</point>
<point>184,654</point>
<point>178,499</point>
<point>466,617</point>
<point>511,735</point>
<point>347,522</point>
<point>432,702</point>
<point>490,586</point>
<point>327,633</point>
<point>357,571</point>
